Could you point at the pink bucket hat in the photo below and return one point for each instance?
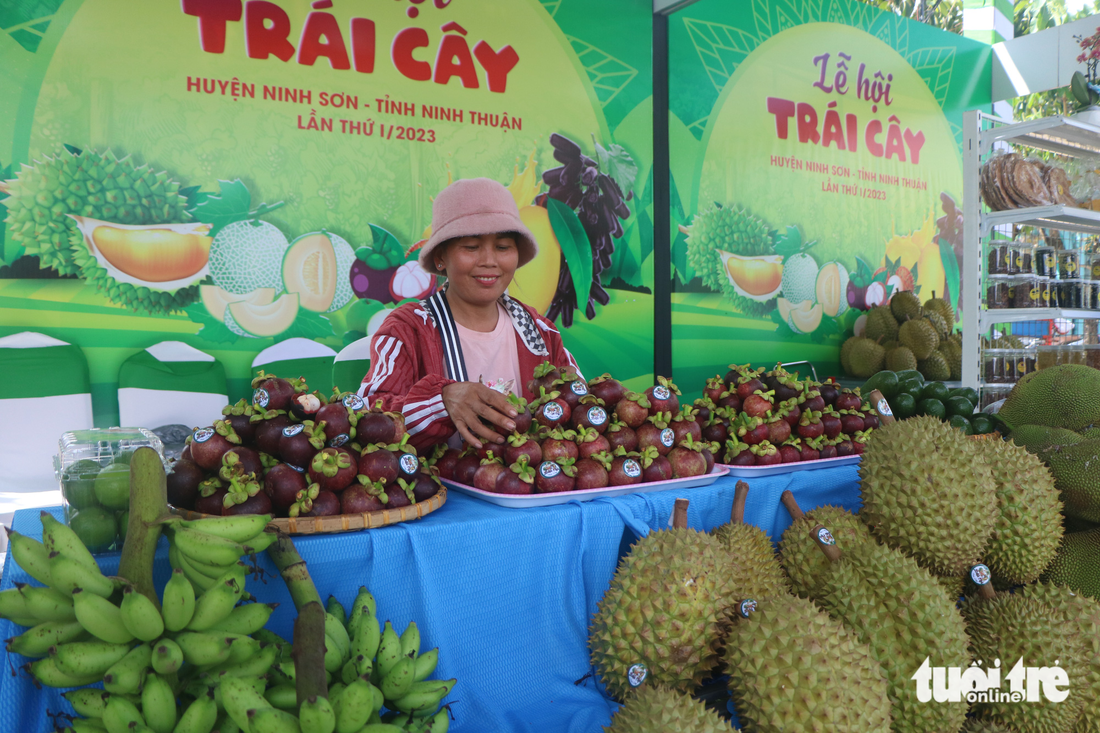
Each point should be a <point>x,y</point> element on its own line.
<point>471,207</point>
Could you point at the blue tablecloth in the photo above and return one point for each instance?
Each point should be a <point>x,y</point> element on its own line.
<point>506,594</point>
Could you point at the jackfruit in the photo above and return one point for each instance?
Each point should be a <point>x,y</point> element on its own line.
<point>919,336</point>
<point>793,668</point>
<point>1090,433</point>
<point>947,523</point>
<point>900,359</point>
<point>900,611</point>
<point>934,368</point>
<point>1063,396</point>
<point>1076,562</point>
<point>1029,526</point>
<point>656,709</point>
<point>798,553</point>
<point>866,358</point>
<point>881,324</point>
<point>1039,438</point>
<point>905,306</point>
<point>1076,474</point>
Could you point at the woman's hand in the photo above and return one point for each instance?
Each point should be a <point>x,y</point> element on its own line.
<point>469,402</point>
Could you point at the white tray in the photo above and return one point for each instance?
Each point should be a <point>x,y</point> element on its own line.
<point>757,471</point>
<point>519,501</point>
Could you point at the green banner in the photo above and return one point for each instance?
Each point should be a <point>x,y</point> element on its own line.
<point>234,174</point>
<point>815,153</point>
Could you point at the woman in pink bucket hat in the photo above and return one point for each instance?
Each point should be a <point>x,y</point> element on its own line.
<point>449,362</point>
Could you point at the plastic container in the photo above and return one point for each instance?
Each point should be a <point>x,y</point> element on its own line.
<point>1026,292</point>
<point>1025,263</point>
<point>1069,264</point>
<point>1090,294</point>
<point>993,393</point>
<point>996,259</point>
<point>1053,293</point>
<point>93,469</point>
<point>1023,363</point>
<point>1012,259</point>
<point>998,292</point>
<point>1069,294</point>
<point>1046,357</point>
<point>1048,292</point>
<point>1046,262</point>
<point>1092,355</point>
<point>993,365</point>
<point>1095,268</point>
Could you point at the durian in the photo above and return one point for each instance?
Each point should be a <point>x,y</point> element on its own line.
<point>666,608</point>
<point>881,324</point>
<point>905,306</point>
<point>952,354</point>
<point>927,493</point>
<point>93,184</point>
<point>1029,523</point>
<point>934,368</point>
<point>938,324</point>
<point>846,351</point>
<point>974,725</point>
<point>793,669</point>
<point>941,307</point>
<point>1042,627</point>
<point>753,567</point>
<point>798,553</point>
<point>1076,562</point>
<point>656,709</point>
<point>900,359</point>
<point>919,336</point>
<point>866,358</point>
<point>900,611</point>
<point>1063,396</point>
<point>734,230</point>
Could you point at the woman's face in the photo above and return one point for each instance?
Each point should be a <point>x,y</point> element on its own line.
<point>479,269</point>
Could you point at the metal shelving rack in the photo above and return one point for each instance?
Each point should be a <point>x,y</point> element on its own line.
<point>1061,135</point>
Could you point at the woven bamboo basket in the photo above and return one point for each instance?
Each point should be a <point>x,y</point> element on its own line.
<point>345,522</point>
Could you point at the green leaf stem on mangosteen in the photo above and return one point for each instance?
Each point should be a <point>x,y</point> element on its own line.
<point>567,466</point>
<point>210,486</point>
<point>242,407</point>
<point>604,458</point>
<point>647,456</point>
<point>407,487</point>
<point>523,470</point>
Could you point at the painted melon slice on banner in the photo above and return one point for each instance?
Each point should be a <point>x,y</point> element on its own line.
<point>45,393</point>
<point>351,365</point>
<point>170,383</point>
<point>298,357</point>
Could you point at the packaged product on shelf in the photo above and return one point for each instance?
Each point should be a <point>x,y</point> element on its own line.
<point>1047,299</point>
<point>994,365</point>
<point>1069,264</point>
<point>1092,355</point>
<point>1090,294</point>
<point>999,292</point>
<point>1023,259</point>
<point>997,259</point>
<point>1046,356</point>
<point>1026,293</point>
<point>1046,262</point>
<point>994,393</point>
<point>1025,363</point>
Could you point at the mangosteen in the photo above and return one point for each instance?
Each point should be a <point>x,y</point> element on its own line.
<point>333,469</point>
<point>859,441</point>
<point>846,400</point>
<point>268,429</point>
<point>239,416</point>
<point>715,388</point>
<point>523,418</point>
<point>633,409</point>
<point>486,476</point>
<point>305,405</point>
<point>749,384</point>
<point>810,450</point>
<point>655,467</point>
<point>657,434</point>
<point>791,452</point>
<point>730,400</point>
<point>828,451</point>
<point>785,385</point>
<point>259,503</point>
<point>704,407</point>
<point>851,422</point>
<point>828,392</point>
<point>663,397</point>
<point>282,484</point>
<point>183,483</point>
<point>739,454</point>
<point>758,404</point>
<point>241,461</point>
<point>465,468</point>
<point>621,435</point>
<point>425,487</point>
<point>559,443</point>
<point>590,442</point>
<point>446,461</point>
<point>376,427</point>
<point>519,478</point>
<point>186,452</point>
<point>590,475</point>
<point>521,444</point>
<point>813,401</point>
<point>607,388</point>
<point>870,420</point>
<point>555,476</point>
<point>687,459</point>
<point>213,504</point>
<point>844,447</point>
<point>545,375</point>
<point>300,442</point>
<point>590,413</point>
<point>378,464</point>
<point>830,423</point>
<point>339,423</point>
<point>399,494</point>
<point>709,450</point>
<point>684,424</point>
<point>209,444</point>
<point>326,504</point>
<point>272,393</point>
<point>356,499</point>
<point>625,469</point>
<point>766,454</point>
<point>750,430</point>
<point>715,431</point>
<point>552,410</point>
<point>791,412</point>
<point>778,431</point>
<point>809,425</point>
<point>857,296</point>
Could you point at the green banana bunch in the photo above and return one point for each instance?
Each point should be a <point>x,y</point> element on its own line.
<point>167,656</point>
<point>40,604</point>
<point>246,619</point>
<point>83,658</point>
<point>140,616</point>
<point>178,602</point>
<point>101,618</point>
<point>216,603</point>
<point>31,555</point>
<point>238,696</point>
<point>48,672</point>
<point>200,716</point>
<point>422,696</point>
<point>158,704</point>
<point>119,713</point>
<point>204,549</point>
<point>126,676</point>
<point>272,720</point>
<point>284,697</point>
<point>353,706</point>
<point>36,641</point>
<point>317,716</point>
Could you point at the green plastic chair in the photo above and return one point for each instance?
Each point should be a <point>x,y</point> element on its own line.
<point>351,365</point>
<point>171,383</point>
<point>298,357</point>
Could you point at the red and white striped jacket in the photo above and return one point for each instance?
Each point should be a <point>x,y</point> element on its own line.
<point>416,353</point>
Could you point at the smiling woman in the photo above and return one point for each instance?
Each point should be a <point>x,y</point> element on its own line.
<point>449,363</point>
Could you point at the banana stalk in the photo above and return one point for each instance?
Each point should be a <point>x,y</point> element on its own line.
<point>148,507</point>
<point>294,571</point>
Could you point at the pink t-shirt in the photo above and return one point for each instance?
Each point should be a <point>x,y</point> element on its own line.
<point>492,356</point>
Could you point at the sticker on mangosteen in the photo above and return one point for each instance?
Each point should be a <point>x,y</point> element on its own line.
<point>636,674</point>
<point>668,437</point>
<point>552,411</point>
<point>825,537</point>
<point>261,397</point>
<point>883,407</point>
<point>409,464</point>
<point>579,388</point>
<point>747,607</point>
<point>202,435</point>
<point>661,392</point>
<point>980,574</point>
<point>291,430</point>
<point>596,416</point>
<point>632,468</point>
<point>549,469</point>
<point>339,440</point>
<point>353,402</point>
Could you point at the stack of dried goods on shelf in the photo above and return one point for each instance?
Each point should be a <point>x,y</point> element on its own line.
<point>1009,181</point>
